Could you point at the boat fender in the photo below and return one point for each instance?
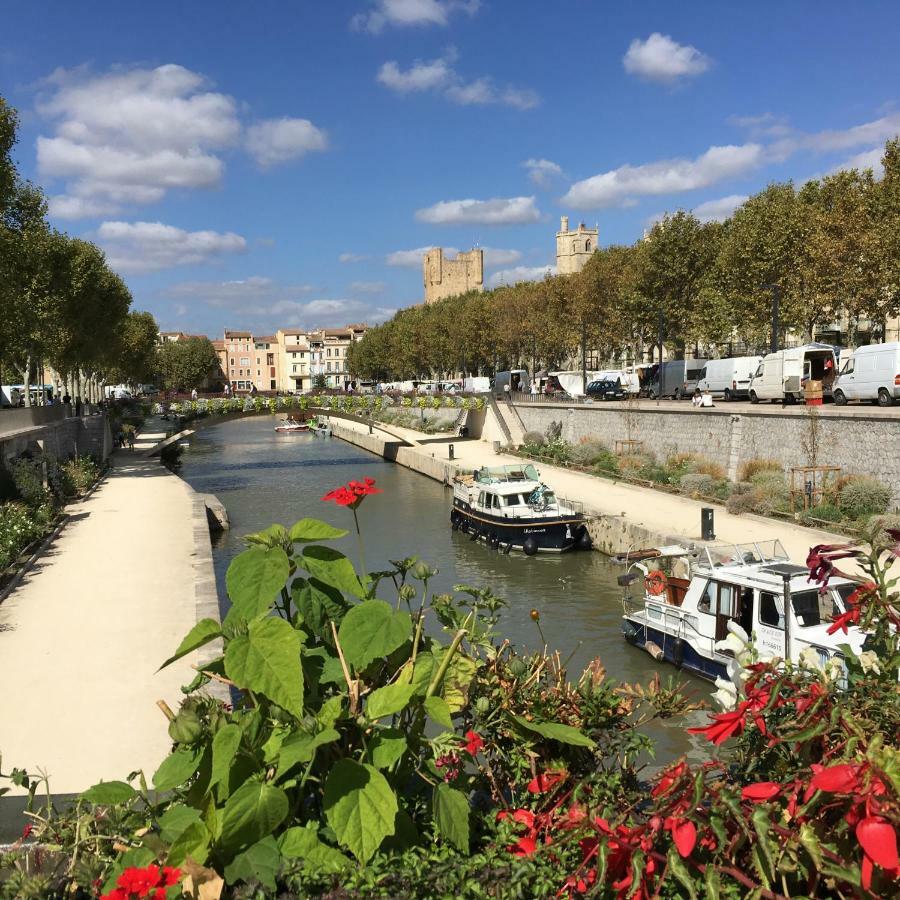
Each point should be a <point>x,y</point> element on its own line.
<point>630,632</point>
<point>584,539</point>
<point>475,534</point>
<point>654,650</point>
<point>678,652</point>
<point>494,541</point>
<point>530,546</point>
<point>454,520</point>
<point>508,548</point>
<point>655,583</point>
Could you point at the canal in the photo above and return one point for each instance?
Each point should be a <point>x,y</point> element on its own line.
<point>263,477</point>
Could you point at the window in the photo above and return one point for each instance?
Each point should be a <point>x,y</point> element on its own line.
<point>812,608</point>
<point>328,351</point>
<point>294,368</point>
<point>481,500</point>
<point>848,367</point>
<point>329,367</point>
<point>245,360</point>
<point>511,500</point>
<point>270,359</point>
<point>257,360</point>
<point>232,360</point>
<point>771,609</point>
<point>272,385</point>
<point>258,373</point>
<point>717,599</point>
<point>587,246</point>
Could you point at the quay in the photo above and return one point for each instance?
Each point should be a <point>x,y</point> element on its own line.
<point>84,633</point>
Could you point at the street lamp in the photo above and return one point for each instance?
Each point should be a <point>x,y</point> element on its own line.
<point>776,300</point>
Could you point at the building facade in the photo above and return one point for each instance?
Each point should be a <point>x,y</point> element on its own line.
<point>449,277</point>
<point>574,248</point>
<point>295,361</point>
<point>251,361</point>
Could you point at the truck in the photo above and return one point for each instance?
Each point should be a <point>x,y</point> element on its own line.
<point>781,376</point>
<point>871,373</point>
<point>729,378</point>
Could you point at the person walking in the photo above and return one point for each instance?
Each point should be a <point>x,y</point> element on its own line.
<point>227,390</point>
<point>194,394</point>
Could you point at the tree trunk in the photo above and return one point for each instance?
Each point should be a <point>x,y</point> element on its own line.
<point>26,380</point>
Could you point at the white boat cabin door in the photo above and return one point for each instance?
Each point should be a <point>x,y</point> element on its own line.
<point>769,625</point>
<point>726,602</point>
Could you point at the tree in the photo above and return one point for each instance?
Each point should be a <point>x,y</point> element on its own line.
<point>187,364</point>
<point>134,356</point>
<point>8,176</point>
<point>319,382</point>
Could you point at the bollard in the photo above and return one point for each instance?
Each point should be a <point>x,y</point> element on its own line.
<point>450,448</point>
<point>707,524</point>
<point>496,446</point>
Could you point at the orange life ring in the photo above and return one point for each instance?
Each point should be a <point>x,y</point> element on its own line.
<point>655,583</point>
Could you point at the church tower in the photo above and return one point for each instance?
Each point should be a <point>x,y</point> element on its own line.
<point>574,248</point>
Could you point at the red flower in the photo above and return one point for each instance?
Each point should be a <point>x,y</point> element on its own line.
<point>352,493</point>
<point>684,833</point>
<point>761,791</point>
<point>524,846</point>
<point>894,534</point>
<point>878,840</point>
<point>474,743</point>
<point>820,561</point>
<point>26,831</point>
<point>545,782</point>
<point>668,778</point>
<point>723,725</point>
<point>840,779</point>
<point>524,817</point>
<point>147,882</point>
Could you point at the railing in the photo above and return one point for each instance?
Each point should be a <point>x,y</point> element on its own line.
<point>672,621</point>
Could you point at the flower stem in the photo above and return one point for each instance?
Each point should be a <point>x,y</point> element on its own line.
<point>363,574</point>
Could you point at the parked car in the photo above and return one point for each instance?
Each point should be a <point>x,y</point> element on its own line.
<point>729,378</point>
<point>872,373</point>
<point>783,374</point>
<point>607,389</point>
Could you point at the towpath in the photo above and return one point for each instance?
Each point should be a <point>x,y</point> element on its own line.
<point>82,637</point>
<point>657,511</point>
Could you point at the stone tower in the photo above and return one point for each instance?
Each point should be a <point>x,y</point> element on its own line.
<point>574,248</point>
<point>449,277</point>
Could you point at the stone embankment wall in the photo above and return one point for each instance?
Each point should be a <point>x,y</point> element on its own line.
<point>859,444</point>
<point>63,437</point>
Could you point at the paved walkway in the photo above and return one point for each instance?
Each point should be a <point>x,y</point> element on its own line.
<point>82,636</point>
<point>656,510</point>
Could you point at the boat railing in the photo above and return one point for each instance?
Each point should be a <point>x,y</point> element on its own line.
<point>672,621</point>
<point>750,553</point>
<point>567,506</point>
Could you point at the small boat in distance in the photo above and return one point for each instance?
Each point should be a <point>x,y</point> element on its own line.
<point>685,599</point>
<point>320,427</point>
<point>291,426</point>
<point>509,507</point>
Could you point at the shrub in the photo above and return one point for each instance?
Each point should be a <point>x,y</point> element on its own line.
<point>862,496</point>
<point>28,477</point>
<point>755,466</point>
<point>607,463</point>
<point>534,439</point>
<point>826,512</point>
<point>80,472</point>
<point>587,452</point>
<point>19,526</point>
<point>696,485</point>
<point>170,457</point>
<point>762,499</point>
<point>635,463</point>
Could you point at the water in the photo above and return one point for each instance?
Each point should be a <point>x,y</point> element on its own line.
<point>263,477</point>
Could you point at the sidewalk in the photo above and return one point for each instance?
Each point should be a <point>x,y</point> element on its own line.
<point>83,635</point>
<point>668,514</point>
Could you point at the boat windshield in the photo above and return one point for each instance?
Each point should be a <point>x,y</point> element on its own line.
<point>488,475</point>
<point>812,608</point>
<point>743,554</point>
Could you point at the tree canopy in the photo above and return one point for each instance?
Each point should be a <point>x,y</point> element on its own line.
<point>187,363</point>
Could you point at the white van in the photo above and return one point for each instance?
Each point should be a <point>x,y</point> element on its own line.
<point>729,378</point>
<point>871,373</point>
<point>782,375</point>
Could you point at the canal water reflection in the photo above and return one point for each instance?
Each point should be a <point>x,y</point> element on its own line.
<point>263,477</point>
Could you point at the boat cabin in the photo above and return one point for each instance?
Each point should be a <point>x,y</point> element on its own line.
<point>510,492</point>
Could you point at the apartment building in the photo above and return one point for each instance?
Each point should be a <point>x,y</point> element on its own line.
<point>329,352</point>
<point>294,348</point>
<point>251,361</point>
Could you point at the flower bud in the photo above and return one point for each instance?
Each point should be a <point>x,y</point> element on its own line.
<point>535,616</point>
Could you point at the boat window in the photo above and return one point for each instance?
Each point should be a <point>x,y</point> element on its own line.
<point>512,500</point>
<point>549,498</point>
<point>844,591</point>
<point>481,499</point>
<point>709,602</point>
<point>496,502</point>
<point>771,610</point>
<point>812,608</point>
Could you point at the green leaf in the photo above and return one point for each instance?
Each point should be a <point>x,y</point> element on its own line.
<point>810,841</point>
<point>177,768</point>
<point>267,661</point>
<point>225,745</point>
<point>272,536</point>
<point>253,811</point>
<point>254,580</point>
<point>261,863</point>
<point>556,731</point>
<point>187,836</point>
<point>203,632</point>
<point>303,843</point>
<point>680,871</point>
<point>439,710</point>
<point>423,672</point>
<point>713,882</point>
<point>314,530</point>
<point>458,677</point>
<point>177,818</point>
<point>332,709</point>
<point>387,747</point>
<point>108,793</point>
<point>360,807</point>
<point>390,699</point>
<point>319,604</point>
<point>332,567</point>
<point>762,824</point>
<point>451,815</point>
<point>332,671</point>
<point>372,630</point>
<point>300,747</point>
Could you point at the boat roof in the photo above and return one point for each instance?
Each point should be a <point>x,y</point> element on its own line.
<point>501,474</point>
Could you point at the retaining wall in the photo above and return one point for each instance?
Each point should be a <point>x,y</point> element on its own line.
<point>859,444</point>
<point>62,437</point>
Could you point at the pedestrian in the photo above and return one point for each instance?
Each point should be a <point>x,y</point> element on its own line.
<point>78,406</point>
<point>194,394</point>
<point>707,399</point>
<point>697,398</point>
<point>66,398</point>
<point>534,388</point>
<point>506,390</point>
<point>227,390</point>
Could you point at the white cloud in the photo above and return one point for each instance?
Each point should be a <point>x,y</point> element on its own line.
<point>239,294</point>
<point>497,211</point>
<point>621,186</point>
<point>719,210</point>
<point>367,287</point>
<point>149,246</point>
<point>876,131</point>
<point>352,257</point>
<point>520,273</point>
<point>402,13</point>
<point>542,171</point>
<point>868,159</point>
<point>495,257</point>
<point>131,135</point>
<point>765,125</point>
<point>326,313</point>
<point>412,259</point>
<point>440,76</point>
<point>659,58</point>
<point>274,141</point>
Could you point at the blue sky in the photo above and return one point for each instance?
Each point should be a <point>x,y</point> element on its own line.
<point>271,164</point>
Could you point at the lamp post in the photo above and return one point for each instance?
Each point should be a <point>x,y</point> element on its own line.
<point>660,329</point>
<point>776,302</point>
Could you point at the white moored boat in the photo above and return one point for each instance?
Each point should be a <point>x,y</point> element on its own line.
<point>509,507</point>
<point>681,615</point>
<point>291,426</point>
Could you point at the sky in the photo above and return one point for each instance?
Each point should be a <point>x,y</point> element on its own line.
<point>284,164</point>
